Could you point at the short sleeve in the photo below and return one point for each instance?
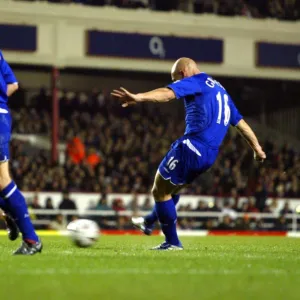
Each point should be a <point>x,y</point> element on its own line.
<point>6,71</point>
<point>185,87</point>
<point>235,115</point>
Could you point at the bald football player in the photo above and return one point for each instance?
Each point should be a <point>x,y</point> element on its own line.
<point>209,113</point>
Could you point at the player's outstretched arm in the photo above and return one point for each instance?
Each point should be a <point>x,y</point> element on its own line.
<point>248,134</point>
<point>158,95</point>
<point>11,88</point>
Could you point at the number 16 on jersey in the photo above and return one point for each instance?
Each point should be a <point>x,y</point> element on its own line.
<point>225,106</point>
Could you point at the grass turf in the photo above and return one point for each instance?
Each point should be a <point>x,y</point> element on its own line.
<point>123,268</point>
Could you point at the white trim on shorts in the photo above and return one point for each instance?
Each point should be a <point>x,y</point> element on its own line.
<point>169,179</point>
<point>3,111</point>
<point>4,160</point>
<point>191,146</point>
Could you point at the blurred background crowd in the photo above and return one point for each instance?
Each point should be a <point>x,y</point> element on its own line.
<point>280,9</point>
<point>111,149</point>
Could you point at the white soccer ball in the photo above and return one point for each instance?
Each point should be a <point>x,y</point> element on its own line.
<point>84,233</point>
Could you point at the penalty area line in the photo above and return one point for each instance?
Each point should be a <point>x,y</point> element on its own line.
<point>144,271</point>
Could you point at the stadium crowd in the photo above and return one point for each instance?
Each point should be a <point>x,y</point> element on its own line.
<point>281,9</point>
<point>111,149</point>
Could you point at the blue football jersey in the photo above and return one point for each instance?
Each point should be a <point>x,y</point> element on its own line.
<point>209,108</point>
<point>6,77</point>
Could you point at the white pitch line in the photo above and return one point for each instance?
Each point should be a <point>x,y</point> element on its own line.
<point>138,271</point>
<point>198,255</point>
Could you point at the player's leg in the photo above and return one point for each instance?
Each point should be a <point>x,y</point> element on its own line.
<point>5,129</point>
<point>146,224</point>
<point>16,205</point>
<point>11,226</point>
<point>166,212</point>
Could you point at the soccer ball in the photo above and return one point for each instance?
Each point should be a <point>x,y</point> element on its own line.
<point>84,233</point>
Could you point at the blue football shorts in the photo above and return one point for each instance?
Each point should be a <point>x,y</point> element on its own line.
<point>186,160</point>
<point>5,135</point>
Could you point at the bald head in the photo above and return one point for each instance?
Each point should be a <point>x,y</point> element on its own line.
<point>184,67</point>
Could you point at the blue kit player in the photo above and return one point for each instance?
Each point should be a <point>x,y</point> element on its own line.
<point>209,113</point>
<point>12,202</point>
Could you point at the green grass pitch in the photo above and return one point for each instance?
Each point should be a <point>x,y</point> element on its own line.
<point>234,268</point>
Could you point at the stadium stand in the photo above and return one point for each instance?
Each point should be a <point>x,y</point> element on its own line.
<point>110,142</point>
<point>104,142</point>
<point>280,9</point>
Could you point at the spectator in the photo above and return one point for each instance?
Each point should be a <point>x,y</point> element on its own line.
<point>209,224</point>
<point>35,203</point>
<point>74,218</point>
<point>267,209</point>
<point>274,206</point>
<point>93,158</point>
<point>185,224</point>
<point>261,197</point>
<point>67,203</point>
<point>252,206</point>
<point>259,225</point>
<point>118,205</point>
<point>281,224</point>
<point>234,197</point>
<point>122,223</point>
<point>226,223</point>
<point>228,210</point>
<point>243,223</point>
<point>286,209</point>
<point>182,208</point>
<point>134,204</point>
<point>102,203</point>
<point>76,150</point>
<point>59,223</point>
<point>202,206</point>
<point>227,7</point>
<point>147,206</point>
<point>92,205</point>
<point>49,203</point>
<point>165,5</point>
<point>244,208</point>
<point>216,207</point>
<point>204,6</point>
<point>49,206</point>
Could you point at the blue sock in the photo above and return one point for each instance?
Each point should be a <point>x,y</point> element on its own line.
<point>175,198</point>
<point>152,217</point>
<point>16,204</point>
<point>167,216</point>
<point>3,205</point>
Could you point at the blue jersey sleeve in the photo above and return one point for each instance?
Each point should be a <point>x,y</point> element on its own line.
<point>185,87</point>
<point>6,71</point>
<point>235,115</point>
